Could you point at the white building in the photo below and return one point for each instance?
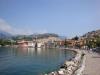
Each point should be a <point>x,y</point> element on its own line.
<point>31,44</point>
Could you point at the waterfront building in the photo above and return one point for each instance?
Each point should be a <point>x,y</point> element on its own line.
<point>31,44</point>
<point>22,43</point>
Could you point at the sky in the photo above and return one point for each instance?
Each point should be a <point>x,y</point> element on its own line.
<point>64,17</point>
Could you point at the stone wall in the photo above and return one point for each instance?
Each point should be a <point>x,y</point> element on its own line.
<point>72,67</point>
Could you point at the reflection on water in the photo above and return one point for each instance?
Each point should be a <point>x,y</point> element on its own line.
<point>36,51</point>
<point>31,61</point>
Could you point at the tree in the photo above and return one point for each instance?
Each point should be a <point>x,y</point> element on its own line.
<point>89,43</point>
<point>98,42</point>
<point>65,43</point>
<point>75,38</point>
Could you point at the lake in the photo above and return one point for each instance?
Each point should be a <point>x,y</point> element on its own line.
<point>31,61</point>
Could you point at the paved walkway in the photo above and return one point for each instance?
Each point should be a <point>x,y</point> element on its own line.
<point>92,64</point>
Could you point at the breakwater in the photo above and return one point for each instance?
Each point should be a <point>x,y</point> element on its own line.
<point>73,67</point>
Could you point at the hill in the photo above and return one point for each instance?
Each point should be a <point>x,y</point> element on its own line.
<point>33,36</point>
<point>5,35</point>
<point>92,34</point>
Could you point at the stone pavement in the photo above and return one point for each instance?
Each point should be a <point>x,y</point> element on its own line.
<point>92,63</point>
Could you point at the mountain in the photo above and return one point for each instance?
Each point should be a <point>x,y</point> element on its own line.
<point>5,35</point>
<point>35,35</point>
<point>45,35</point>
<point>92,34</point>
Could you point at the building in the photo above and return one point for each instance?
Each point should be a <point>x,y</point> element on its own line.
<point>41,42</point>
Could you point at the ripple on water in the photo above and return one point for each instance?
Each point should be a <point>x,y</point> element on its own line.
<point>19,61</point>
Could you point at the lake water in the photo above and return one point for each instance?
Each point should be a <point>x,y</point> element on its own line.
<point>30,61</point>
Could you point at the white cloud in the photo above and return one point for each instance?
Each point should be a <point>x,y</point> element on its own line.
<point>4,26</point>
<point>41,31</point>
<point>23,31</point>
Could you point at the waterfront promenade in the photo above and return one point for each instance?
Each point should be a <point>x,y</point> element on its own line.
<point>92,63</point>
